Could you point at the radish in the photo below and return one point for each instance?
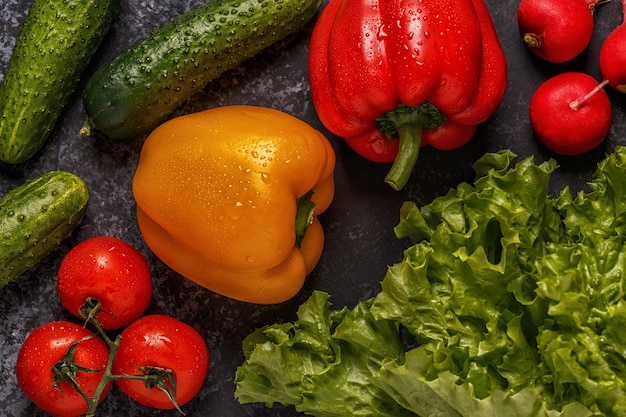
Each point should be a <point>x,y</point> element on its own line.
<point>571,113</point>
<point>613,56</point>
<point>556,30</point>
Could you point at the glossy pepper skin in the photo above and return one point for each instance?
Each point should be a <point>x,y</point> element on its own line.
<point>390,76</point>
<point>229,198</point>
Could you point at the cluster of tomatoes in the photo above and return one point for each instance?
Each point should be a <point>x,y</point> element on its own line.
<point>67,369</point>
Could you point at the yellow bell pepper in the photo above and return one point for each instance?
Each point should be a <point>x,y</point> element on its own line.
<point>229,198</point>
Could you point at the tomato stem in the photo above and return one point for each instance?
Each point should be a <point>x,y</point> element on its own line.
<point>92,403</point>
<point>152,376</point>
<point>155,377</point>
<point>575,105</point>
<point>67,369</point>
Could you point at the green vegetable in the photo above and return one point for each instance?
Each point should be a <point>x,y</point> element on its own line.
<point>510,303</point>
<point>54,46</point>
<point>142,86</point>
<point>35,217</point>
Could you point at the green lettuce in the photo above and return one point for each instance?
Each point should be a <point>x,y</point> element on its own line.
<point>509,302</point>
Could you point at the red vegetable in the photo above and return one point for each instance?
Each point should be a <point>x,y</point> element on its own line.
<point>556,30</point>
<point>161,342</point>
<point>571,113</point>
<point>43,349</point>
<point>110,271</point>
<point>613,55</point>
<point>420,73</point>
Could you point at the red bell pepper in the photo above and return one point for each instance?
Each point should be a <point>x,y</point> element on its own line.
<point>390,76</point>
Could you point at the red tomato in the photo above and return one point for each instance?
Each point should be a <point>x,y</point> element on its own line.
<point>46,346</point>
<point>111,271</point>
<point>167,343</point>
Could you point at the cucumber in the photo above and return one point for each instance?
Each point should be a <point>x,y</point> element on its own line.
<point>54,46</point>
<point>143,85</point>
<point>35,217</point>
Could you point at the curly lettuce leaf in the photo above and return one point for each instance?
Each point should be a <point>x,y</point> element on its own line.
<point>323,363</point>
<point>509,302</point>
<point>583,344</point>
<point>445,396</point>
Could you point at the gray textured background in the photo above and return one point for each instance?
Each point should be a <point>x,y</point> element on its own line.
<point>360,241</point>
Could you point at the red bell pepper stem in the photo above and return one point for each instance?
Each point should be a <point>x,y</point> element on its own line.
<point>410,137</point>
<point>408,125</point>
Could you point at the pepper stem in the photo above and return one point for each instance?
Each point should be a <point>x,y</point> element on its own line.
<point>304,216</point>
<point>408,125</point>
<point>410,136</point>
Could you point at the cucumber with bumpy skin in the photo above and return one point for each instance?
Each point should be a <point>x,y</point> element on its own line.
<point>142,86</point>
<point>54,46</point>
<point>35,217</point>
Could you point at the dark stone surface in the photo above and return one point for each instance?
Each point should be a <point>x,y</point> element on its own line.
<point>360,240</point>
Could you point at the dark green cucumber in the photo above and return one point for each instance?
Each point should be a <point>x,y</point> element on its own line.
<point>54,46</point>
<point>35,217</point>
<point>142,86</point>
